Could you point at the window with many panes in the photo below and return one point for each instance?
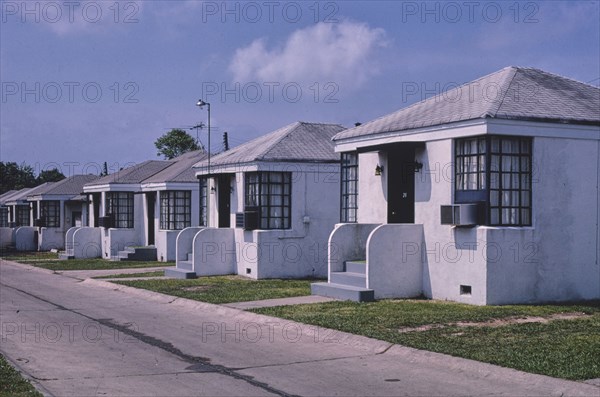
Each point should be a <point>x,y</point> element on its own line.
<point>203,210</point>
<point>3,216</point>
<point>22,215</point>
<point>50,213</point>
<point>119,205</point>
<point>269,193</point>
<point>175,209</point>
<point>496,170</point>
<point>349,194</point>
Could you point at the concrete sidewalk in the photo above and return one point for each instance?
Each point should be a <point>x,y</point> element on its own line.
<point>117,340</point>
<point>296,300</point>
<point>83,274</point>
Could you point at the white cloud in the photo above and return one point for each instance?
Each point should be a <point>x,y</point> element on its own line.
<point>343,53</point>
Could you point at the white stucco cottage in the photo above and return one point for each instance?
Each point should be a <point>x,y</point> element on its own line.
<point>485,194</point>
<point>15,214</point>
<point>172,200</point>
<point>136,212</point>
<point>56,207</point>
<point>267,207</point>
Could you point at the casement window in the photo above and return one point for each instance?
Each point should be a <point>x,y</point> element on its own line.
<point>495,170</point>
<point>22,215</point>
<point>349,186</point>
<point>203,203</point>
<point>175,209</point>
<point>269,193</point>
<point>50,213</point>
<point>3,217</point>
<point>120,206</point>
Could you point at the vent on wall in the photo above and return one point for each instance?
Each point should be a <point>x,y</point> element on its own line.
<point>465,290</point>
<point>460,214</point>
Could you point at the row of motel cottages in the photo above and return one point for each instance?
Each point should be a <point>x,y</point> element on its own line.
<point>486,194</point>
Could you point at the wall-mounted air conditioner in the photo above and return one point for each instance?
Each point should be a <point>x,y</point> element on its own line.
<point>106,221</point>
<point>460,214</point>
<point>247,220</point>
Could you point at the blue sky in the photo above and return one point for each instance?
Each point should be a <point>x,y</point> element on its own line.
<point>85,82</point>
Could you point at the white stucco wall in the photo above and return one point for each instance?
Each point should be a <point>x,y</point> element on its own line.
<point>300,251</point>
<point>166,244</point>
<point>372,192</point>
<point>558,258</point>
<point>451,256</point>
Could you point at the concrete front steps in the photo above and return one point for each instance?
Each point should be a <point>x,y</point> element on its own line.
<point>350,284</point>
<point>184,269</point>
<point>65,255</point>
<point>146,254</point>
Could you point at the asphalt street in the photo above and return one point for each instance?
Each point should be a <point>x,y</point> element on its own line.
<point>94,338</point>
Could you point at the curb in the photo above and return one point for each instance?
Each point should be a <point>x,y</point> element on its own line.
<point>358,341</point>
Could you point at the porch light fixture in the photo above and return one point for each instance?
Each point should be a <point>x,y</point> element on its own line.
<point>378,170</point>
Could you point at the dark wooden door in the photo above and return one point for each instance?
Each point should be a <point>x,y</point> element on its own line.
<point>224,193</point>
<point>96,197</point>
<point>151,203</point>
<point>401,185</point>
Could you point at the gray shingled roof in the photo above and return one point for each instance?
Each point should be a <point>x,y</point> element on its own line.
<point>512,93</point>
<point>180,169</point>
<point>72,185</point>
<point>133,174</point>
<point>22,194</point>
<point>297,142</point>
<point>6,195</point>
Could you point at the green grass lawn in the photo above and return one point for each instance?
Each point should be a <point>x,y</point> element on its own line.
<point>12,384</point>
<point>45,261</point>
<point>95,264</point>
<point>560,348</point>
<point>225,289</point>
<point>19,256</point>
<point>159,273</point>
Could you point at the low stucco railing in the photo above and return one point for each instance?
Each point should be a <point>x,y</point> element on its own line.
<point>214,252</point>
<point>25,238</point>
<point>394,261</point>
<point>51,238</point>
<point>6,237</point>
<point>86,242</point>
<point>184,243</point>
<point>348,241</point>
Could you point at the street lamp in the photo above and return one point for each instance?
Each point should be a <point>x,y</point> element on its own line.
<point>201,104</point>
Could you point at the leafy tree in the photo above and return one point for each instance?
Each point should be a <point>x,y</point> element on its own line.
<point>15,176</point>
<point>175,143</point>
<point>53,175</point>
